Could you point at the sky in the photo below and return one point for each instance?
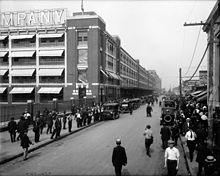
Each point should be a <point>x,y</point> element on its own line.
<point>151,31</point>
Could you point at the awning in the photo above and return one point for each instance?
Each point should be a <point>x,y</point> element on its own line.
<point>22,72</point>
<point>2,72</point>
<point>51,53</point>
<point>49,90</point>
<point>195,93</point>
<point>113,75</point>
<point>201,94</point>
<point>12,37</point>
<point>3,37</point>
<point>22,54</point>
<point>3,53</point>
<point>50,35</point>
<point>103,72</point>
<point>50,72</point>
<point>21,90</point>
<point>202,98</point>
<point>2,89</point>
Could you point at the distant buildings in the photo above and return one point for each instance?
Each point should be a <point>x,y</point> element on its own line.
<point>44,55</point>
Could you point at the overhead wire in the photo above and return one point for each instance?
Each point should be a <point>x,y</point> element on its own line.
<point>199,63</point>
<point>194,51</point>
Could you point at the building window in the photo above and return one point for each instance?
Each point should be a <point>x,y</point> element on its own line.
<point>82,38</point>
<point>83,57</point>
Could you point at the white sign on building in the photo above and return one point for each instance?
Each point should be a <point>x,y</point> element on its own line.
<point>33,18</point>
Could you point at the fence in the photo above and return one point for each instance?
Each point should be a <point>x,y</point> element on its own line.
<point>16,110</point>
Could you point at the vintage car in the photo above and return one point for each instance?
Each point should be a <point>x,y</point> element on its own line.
<point>168,112</point>
<point>136,102</point>
<point>110,111</point>
<point>125,106</point>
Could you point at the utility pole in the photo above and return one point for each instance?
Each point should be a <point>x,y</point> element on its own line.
<point>180,80</point>
<point>210,85</point>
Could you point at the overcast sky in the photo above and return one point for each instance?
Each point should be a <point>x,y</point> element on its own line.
<point>151,31</point>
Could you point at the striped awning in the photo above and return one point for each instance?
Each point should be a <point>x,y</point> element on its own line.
<point>22,72</point>
<point>50,72</point>
<point>22,54</point>
<point>51,53</point>
<point>58,35</point>
<point>2,89</point>
<point>21,90</point>
<point>12,37</point>
<point>3,53</point>
<point>3,71</point>
<point>49,90</point>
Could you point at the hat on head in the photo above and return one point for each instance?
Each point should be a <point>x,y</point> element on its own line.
<point>118,141</point>
<point>210,159</point>
<point>171,142</point>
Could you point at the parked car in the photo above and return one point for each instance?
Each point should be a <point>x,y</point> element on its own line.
<point>110,111</point>
<point>125,106</point>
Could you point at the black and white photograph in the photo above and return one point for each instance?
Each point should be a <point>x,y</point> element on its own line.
<point>109,87</point>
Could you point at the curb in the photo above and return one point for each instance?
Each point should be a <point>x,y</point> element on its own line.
<point>186,161</point>
<point>46,143</point>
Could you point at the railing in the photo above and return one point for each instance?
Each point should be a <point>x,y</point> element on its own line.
<point>51,81</point>
<point>3,46</point>
<point>48,44</point>
<point>44,62</point>
<point>23,62</point>
<point>4,63</point>
<point>23,45</point>
<point>24,80</point>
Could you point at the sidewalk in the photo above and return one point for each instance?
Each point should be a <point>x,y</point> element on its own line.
<point>10,151</point>
<point>191,166</point>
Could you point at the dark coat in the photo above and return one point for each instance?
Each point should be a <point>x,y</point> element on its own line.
<point>165,133</point>
<point>25,141</point>
<point>119,156</point>
<point>202,153</point>
<point>12,126</point>
<point>22,126</point>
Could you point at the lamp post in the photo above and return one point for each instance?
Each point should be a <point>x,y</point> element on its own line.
<point>85,100</point>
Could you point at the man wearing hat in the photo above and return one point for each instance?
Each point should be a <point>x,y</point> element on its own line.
<point>119,157</point>
<point>210,166</point>
<point>171,159</point>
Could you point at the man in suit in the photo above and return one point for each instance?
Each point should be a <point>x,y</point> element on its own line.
<point>119,157</point>
<point>12,127</point>
<point>202,152</point>
<point>165,136</point>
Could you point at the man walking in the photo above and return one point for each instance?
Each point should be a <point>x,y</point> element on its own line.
<point>191,138</point>
<point>165,135</point>
<point>149,110</point>
<point>12,127</point>
<point>119,157</point>
<point>171,159</point>
<point>148,139</point>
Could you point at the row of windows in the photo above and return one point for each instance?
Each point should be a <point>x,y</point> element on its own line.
<point>25,97</point>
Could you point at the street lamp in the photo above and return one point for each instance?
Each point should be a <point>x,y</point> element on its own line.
<point>85,100</point>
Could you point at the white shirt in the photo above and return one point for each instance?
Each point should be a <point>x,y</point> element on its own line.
<point>172,153</point>
<point>148,133</point>
<point>189,137</point>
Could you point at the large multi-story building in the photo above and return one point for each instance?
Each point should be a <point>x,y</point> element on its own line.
<point>44,55</point>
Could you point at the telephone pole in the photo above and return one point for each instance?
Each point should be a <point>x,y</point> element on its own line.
<point>180,82</point>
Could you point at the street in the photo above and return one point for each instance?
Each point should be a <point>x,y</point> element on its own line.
<point>89,151</point>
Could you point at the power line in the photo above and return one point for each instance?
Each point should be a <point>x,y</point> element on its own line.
<point>194,51</point>
<point>199,62</point>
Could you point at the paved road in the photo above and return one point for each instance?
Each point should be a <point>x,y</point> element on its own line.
<point>88,152</point>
